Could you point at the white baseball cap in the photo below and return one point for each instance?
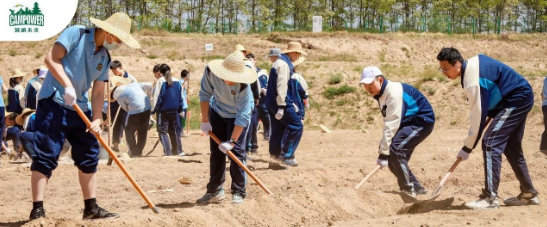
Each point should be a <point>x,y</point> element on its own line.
<point>369,73</point>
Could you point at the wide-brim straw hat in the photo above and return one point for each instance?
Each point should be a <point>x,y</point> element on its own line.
<point>295,47</point>
<point>240,47</point>
<point>299,60</point>
<point>37,70</point>
<point>17,73</point>
<point>233,68</point>
<point>115,81</point>
<point>119,25</point>
<point>20,119</point>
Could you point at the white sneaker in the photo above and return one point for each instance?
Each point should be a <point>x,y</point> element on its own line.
<point>523,199</point>
<point>483,203</point>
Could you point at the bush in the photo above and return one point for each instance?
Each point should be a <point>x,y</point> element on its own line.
<point>332,92</point>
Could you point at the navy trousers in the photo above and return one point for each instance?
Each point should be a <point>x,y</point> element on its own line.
<point>504,136</point>
<point>252,130</point>
<point>285,134</point>
<point>118,126</point>
<point>223,128</point>
<point>265,118</point>
<point>402,146</point>
<point>14,134</point>
<point>137,123</point>
<point>543,144</point>
<point>169,123</point>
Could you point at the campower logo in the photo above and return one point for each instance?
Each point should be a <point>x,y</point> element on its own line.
<point>21,17</point>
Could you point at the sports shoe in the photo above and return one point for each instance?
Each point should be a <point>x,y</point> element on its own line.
<point>290,162</point>
<point>182,154</point>
<point>99,213</point>
<point>422,191</point>
<point>408,196</point>
<point>37,213</point>
<point>237,198</point>
<point>484,202</point>
<point>523,199</point>
<point>212,197</point>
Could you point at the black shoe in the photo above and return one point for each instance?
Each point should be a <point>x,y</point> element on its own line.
<point>37,213</point>
<point>99,213</point>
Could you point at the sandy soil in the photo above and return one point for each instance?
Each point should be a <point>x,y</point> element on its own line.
<point>320,191</point>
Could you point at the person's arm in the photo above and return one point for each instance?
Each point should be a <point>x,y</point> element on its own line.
<point>243,116</point>
<point>205,94</point>
<point>392,120</point>
<point>53,62</point>
<point>283,76</point>
<point>478,103</point>
<point>22,97</point>
<point>97,101</point>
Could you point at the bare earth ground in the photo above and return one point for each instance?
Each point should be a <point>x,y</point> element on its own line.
<point>320,191</point>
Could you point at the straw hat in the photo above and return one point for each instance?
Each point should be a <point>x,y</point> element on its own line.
<point>116,81</point>
<point>295,47</point>
<point>119,25</point>
<point>20,119</point>
<point>240,47</point>
<point>36,71</point>
<point>233,69</point>
<point>17,73</point>
<point>299,60</point>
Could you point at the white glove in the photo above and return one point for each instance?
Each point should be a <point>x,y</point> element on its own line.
<point>295,108</point>
<point>225,147</point>
<point>381,162</point>
<point>69,96</point>
<point>462,154</point>
<point>206,127</point>
<point>181,114</point>
<point>263,90</point>
<point>279,114</point>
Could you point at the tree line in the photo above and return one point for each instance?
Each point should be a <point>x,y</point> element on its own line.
<point>232,16</point>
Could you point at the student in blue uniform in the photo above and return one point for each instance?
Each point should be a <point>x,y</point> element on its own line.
<point>261,107</point>
<point>79,58</point>
<point>284,106</point>
<point>26,121</point>
<point>543,143</point>
<point>33,86</point>
<point>168,104</point>
<point>226,102</point>
<point>16,93</point>
<point>408,121</point>
<point>494,90</point>
<point>12,133</point>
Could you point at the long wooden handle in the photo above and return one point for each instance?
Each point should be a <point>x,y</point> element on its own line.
<point>113,156</point>
<point>109,163</point>
<point>240,164</point>
<point>367,177</point>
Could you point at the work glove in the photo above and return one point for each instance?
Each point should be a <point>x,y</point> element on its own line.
<point>381,162</point>
<point>95,126</point>
<point>279,114</point>
<point>463,154</point>
<point>69,96</point>
<point>206,127</point>
<point>263,90</point>
<point>225,147</point>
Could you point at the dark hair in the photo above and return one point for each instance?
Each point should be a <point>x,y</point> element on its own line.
<point>250,56</point>
<point>156,68</point>
<point>115,64</point>
<point>450,54</point>
<point>12,82</point>
<point>12,116</point>
<point>184,73</point>
<point>166,71</point>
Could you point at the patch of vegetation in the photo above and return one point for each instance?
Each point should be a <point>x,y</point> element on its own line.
<point>407,53</point>
<point>152,56</point>
<point>339,57</point>
<point>38,55</point>
<point>453,122</point>
<point>332,92</point>
<point>335,79</point>
<point>12,53</point>
<point>211,57</point>
<point>173,55</point>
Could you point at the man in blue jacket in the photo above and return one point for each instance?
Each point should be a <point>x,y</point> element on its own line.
<point>283,105</point>
<point>494,90</point>
<point>408,120</point>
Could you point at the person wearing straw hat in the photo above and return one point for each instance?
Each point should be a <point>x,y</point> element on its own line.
<point>168,104</point>
<point>27,120</point>
<point>134,100</point>
<point>79,58</point>
<point>16,93</point>
<point>226,102</point>
<point>408,120</point>
<point>284,105</point>
<point>33,86</point>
